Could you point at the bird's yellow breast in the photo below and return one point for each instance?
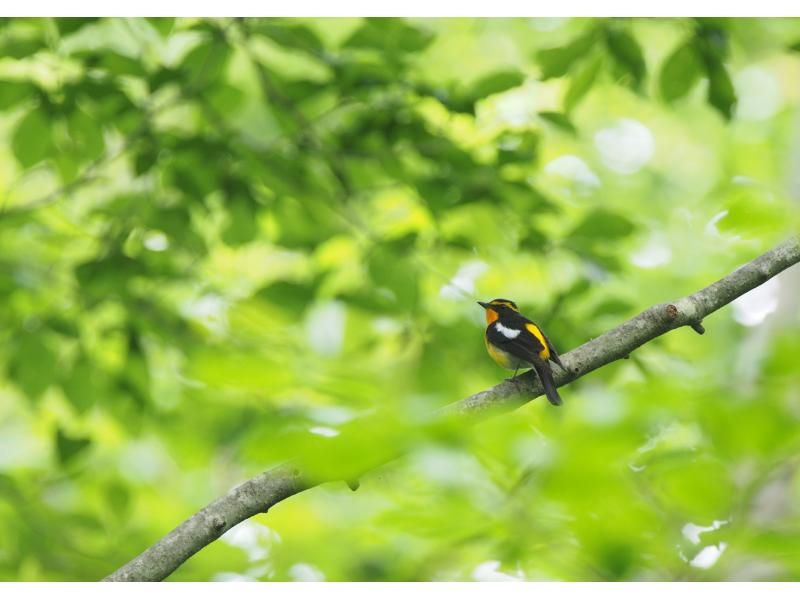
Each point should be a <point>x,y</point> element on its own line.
<point>503,358</point>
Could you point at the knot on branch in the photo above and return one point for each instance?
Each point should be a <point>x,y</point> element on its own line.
<point>672,311</point>
<point>218,524</point>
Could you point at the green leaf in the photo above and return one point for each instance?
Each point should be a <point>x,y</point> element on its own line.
<point>721,93</point>
<point>63,325</point>
<point>188,169</point>
<point>227,98</point>
<point>389,35</point>
<point>68,25</point>
<point>145,156</point>
<point>557,62</point>
<point>119,64</point>
<point>559,120</point>
<point>163,25</point>
<point>301,225</point>
<point>70,447</point>
<point>679,73</point>
<point>500,81</point>
<point>357,75</point>
<point>15,92</point>
<point>135,380</point>
<point>118,498</point>
<point>33,364</point>
<point>80,385</point>
<point>67,165</point>
<point>626,52</point>
<point>20,47</point>
<point>534,240</point>
<point>108,276</point>
<point>31,141</point>
<point>752,210</point>
<point>496,83</point>
<point>602,224</point>
<point>176,223</point>
<point>517,147</point>
<point>293,297</point>
<point>392,271</point>
<point>205,64</point>
<point>582,82</point>
<point>86,134</point>
<point>242,221</point>
<point>291,35</point>
<point>712,37</point>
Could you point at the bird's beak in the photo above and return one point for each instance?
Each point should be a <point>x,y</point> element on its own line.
<point>483,305</point>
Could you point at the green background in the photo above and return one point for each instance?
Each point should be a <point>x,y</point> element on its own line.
<point>221,241</point>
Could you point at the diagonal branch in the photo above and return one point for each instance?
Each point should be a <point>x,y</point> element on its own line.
<point>260,493</point>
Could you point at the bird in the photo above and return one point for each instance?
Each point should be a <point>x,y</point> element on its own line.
<point>515,342</point>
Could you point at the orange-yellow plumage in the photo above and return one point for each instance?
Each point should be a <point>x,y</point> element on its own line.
<point>534,330</point>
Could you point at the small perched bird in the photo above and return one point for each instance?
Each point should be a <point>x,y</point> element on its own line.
<point>515,342</point>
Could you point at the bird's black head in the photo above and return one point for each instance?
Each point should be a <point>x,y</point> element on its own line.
<point>497,308</point>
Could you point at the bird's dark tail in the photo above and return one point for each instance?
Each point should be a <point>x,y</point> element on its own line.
<point>546,376</point>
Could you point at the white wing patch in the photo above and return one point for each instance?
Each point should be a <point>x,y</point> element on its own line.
<point>505,331</point>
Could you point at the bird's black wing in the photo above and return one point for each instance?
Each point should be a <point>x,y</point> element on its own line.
<point>553,353</point>
<point>523,346</point>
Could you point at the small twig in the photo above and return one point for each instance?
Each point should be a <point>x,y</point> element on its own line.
<point>698,327</point>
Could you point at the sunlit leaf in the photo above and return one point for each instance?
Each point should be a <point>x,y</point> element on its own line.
<point>626,52</point>
<point>291,34</point>
<point>81,384</point>
<point>68,25</point>
<point>70,447</point>
<point>496,83</point>
<point>559,120</point>
<point>32,142</point>
<point>390,271</point>
<point>557,62</point>
<point>391,35</point>
<point>721,93</point>
<point>679,73</point>
<point>600,224</point>
<point>86,134</point>
<point>242,224</point>
<point>582,82</point>
<point>163,25</point>
<point>14,92</point>
<point>33,364</point>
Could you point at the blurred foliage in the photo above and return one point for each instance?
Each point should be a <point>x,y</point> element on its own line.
<point>225,242</point>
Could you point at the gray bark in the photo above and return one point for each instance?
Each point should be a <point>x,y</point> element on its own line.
<point>260,493</point>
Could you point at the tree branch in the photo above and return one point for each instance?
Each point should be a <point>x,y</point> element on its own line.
<point>269,488</point>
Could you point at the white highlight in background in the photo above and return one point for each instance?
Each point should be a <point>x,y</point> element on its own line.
<point>490,571</point>
<point>752,308</point>
<point>692,532</point>
<point>254,539</point>
<point>626,147</point>
<point>573,169</point>
<point>709,556</point>
<point>306,572</point>
<point>758,96</point>
<point>325,328</point>
<point>463,283</point>
<point>656,252</point>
